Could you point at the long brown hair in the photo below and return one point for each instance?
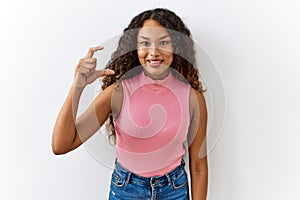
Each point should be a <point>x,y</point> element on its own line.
<point>125,57</point>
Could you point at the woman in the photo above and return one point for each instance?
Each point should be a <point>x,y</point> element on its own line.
<point>154,102</point>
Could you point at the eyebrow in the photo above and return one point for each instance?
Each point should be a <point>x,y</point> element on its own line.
<point>146,38</point>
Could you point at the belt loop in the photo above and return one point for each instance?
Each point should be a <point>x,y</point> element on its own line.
<point>128,178</point>
<point>169,179</point>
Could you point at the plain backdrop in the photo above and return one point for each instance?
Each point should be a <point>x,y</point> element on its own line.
<point>253,43</point>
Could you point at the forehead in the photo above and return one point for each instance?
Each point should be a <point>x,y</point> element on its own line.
<point>152,29</point>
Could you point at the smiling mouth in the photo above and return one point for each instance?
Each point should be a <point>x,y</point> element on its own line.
<point>155,63</point>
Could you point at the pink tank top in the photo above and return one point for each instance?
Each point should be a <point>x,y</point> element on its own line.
<point>152,125</point>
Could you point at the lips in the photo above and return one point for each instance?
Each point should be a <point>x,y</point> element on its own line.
<point>155,62</point>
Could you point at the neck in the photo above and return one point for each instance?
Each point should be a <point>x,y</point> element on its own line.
<point>159,76</point>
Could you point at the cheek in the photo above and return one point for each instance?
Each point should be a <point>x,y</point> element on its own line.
<point>169,56</point>
<point>141,54</point>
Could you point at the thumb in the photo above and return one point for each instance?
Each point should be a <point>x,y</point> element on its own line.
<point>104,72</point>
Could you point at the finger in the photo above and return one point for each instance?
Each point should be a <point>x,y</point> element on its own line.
<point>85,71</point>
<point>92,50</point>
<point>90,60</point>
<point>84,66</point>
<point>104,72</point>
<point>88,65</point>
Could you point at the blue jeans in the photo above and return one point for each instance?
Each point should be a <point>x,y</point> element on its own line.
<point>126,185</point>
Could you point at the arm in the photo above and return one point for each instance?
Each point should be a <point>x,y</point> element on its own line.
<point>197,147</point>
<point>68,132</point>
<point>65,137</point>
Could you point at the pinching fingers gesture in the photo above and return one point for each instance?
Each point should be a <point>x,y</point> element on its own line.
<point>86,71</point>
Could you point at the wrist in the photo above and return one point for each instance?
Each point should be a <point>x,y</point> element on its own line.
<point>77,89</point>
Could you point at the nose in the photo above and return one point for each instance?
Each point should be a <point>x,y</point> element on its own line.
<point>154,51</point>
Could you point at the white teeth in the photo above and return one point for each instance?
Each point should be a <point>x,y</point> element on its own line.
<point>155,62</point>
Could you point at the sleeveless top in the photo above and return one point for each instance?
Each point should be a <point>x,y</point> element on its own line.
<point>152,125</point>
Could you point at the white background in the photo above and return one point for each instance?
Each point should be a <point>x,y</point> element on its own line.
<point>254,44</point>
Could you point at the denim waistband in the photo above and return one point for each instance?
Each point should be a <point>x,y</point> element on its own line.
<point>164,179</point>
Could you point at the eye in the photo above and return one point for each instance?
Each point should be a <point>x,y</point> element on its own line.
<point>164,43</point>
<point>145,43</point>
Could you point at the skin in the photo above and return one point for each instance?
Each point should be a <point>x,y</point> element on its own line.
<point>154,45</point>
<point>197,154</point>
<point>155,53</point>
<point>66,131</point>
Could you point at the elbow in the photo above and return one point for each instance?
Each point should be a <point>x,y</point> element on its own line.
<point>199,169</point>
<point>199,165</point>
<point>61,144</point>
<point>58,149</point>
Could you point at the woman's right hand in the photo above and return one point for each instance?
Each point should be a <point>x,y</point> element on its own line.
<point>86,72</point>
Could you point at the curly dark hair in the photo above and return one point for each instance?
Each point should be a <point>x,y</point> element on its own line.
<point>125,57</point>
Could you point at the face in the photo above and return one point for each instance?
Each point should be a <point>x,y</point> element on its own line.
<point>154,49</point>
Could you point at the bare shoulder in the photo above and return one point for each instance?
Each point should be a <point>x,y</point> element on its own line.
<point>117,100</point>
<point>106,94</point>
<point>197,101</point>
<point>103,101</point>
